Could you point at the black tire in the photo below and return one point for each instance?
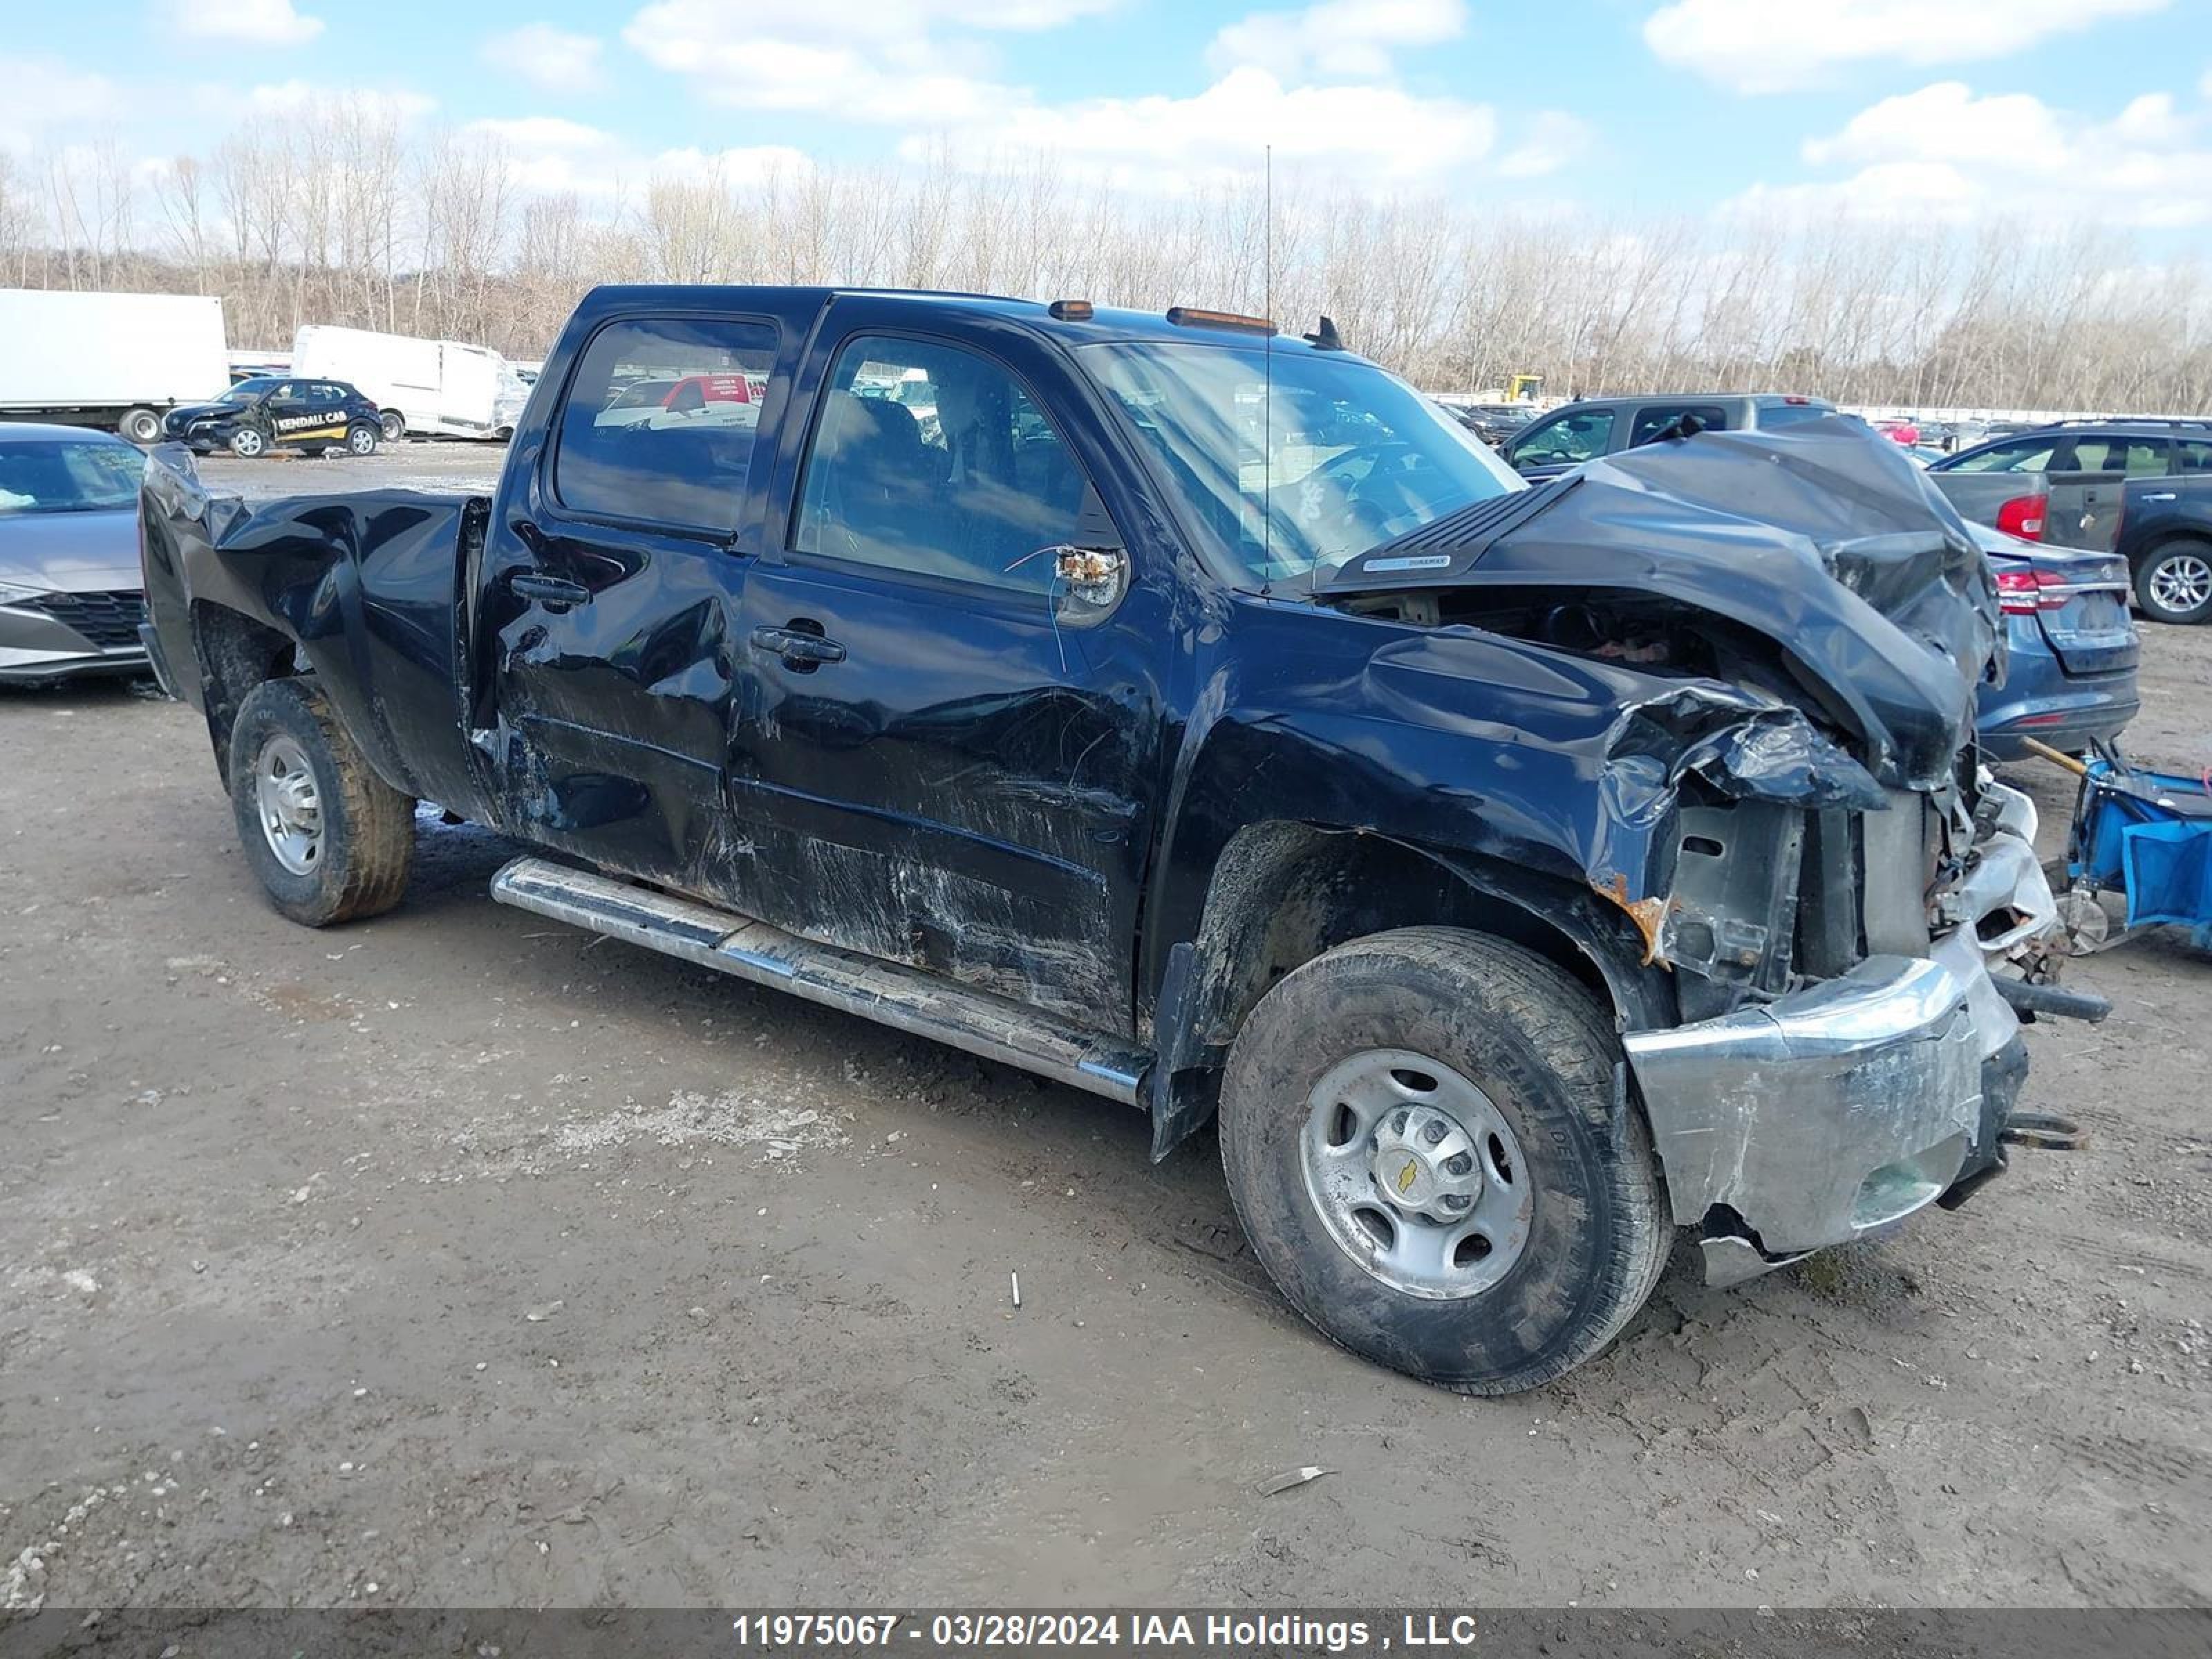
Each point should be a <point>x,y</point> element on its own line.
<point>141,426</point>
<point>249,443</point>
<point>392,424</point>
<point>1543,1049</point>
<point>362,437</point>
<point>366,844</point>
<point>2184,564</point>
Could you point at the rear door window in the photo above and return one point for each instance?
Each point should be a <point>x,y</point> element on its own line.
<point>1774,415</point>
<point>1567,439</point>
<point>621,453</point>
<point>1654,418</point>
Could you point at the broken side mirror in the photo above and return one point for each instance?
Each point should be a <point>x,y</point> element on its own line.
<point>1091,569</point>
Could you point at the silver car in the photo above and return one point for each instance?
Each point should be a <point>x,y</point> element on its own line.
<point>71,596</point>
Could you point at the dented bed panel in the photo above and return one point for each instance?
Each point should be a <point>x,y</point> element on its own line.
<point>365,588</point>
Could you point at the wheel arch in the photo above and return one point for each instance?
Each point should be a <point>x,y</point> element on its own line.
<point>1285,891</point>
<point>235,653</point>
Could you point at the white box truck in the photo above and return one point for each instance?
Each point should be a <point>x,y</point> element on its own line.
<point>441,387</point>
<point>119,360</point>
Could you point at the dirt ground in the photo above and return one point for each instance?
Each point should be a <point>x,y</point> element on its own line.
<point>459,1258</point>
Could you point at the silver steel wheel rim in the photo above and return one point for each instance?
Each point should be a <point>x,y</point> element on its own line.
<point>290,807</point>
<point>1416,1175</point>
<point>2182,582</point>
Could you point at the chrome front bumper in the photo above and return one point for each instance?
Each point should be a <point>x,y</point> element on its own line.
<point>1837,1109</point>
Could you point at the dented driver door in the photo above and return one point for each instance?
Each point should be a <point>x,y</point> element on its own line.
<point>945,757</point>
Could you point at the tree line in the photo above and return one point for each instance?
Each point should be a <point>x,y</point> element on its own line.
<point>350,218</point>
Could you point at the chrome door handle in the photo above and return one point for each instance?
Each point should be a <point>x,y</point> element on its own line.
<point>797,648</point>
<point>552,591</point>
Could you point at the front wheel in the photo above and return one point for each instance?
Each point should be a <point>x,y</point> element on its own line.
<point>329,839</point>
<point>2174,584</point>
<point>248,442</point>
<point>392,424</point>
<point>1421,1137</point>
<point>141,426</point>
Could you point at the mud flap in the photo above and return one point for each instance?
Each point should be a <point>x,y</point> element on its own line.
<point>1178,1090</point>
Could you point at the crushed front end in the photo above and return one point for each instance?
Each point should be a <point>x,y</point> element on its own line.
<point>1851,1099</point>
<point>1793,818</point>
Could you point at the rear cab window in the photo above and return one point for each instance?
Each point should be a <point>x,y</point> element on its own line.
<point>624,450</point>
<point>1792,414</point>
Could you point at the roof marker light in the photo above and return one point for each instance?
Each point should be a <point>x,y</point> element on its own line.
<point>1191,317</point>
<point>1069,311</point>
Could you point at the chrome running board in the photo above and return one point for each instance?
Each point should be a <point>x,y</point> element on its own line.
<point>905,997</point>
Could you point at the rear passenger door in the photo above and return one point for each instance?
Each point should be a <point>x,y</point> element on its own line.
<point>611,591</point>
<point>2088,476</point>
<point>946,757</point>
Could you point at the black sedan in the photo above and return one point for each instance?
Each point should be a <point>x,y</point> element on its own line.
<point>71,596</point>
<point>279,412</point>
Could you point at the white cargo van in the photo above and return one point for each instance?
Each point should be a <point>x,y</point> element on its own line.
<point>441,387</point>
<point>108,360</point>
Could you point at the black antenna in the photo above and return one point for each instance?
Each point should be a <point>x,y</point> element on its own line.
<point>1267,373</point>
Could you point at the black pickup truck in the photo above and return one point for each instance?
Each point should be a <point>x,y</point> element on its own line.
<point>1199,717</point>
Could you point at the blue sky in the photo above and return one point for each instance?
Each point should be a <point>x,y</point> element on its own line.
<point>1898,109</point>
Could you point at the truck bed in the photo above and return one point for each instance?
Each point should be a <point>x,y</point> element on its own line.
<point>375,588</point>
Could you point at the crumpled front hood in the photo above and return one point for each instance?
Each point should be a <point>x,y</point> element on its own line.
<point>1823,538</point>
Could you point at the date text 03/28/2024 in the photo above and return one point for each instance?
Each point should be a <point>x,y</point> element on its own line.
<point>955,1631</point>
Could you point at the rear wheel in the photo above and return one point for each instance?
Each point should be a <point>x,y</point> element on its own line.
<point>392,424</point>
<point>1420,1136</point>
<point>248,442</point>
<point>361,438</point>
<point>2174,583</point>
<point>141,426</point>
<point>329,839</point>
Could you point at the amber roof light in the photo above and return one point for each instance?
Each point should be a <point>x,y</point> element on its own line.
<point>1191,317</point>
<point>1069,311</point>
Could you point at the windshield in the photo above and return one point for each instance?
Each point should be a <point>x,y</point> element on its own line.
<point>90,476</point>
<point>1343,458</point>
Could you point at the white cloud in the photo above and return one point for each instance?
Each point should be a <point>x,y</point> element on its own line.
<point>38,95</point>
<point>1549,140</point>
<point>751,164</point>
<point>253,22</point>
<point>1945,155</point>
<point>1378,132</point>
<point>1336,38</point>
<point>528,133</point>
<point>1945,122</point>
<point>900,61</point>
<point>551,154</point>
<point>297,97</point>
<point>1773,46</point>
<point>557,59</point>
